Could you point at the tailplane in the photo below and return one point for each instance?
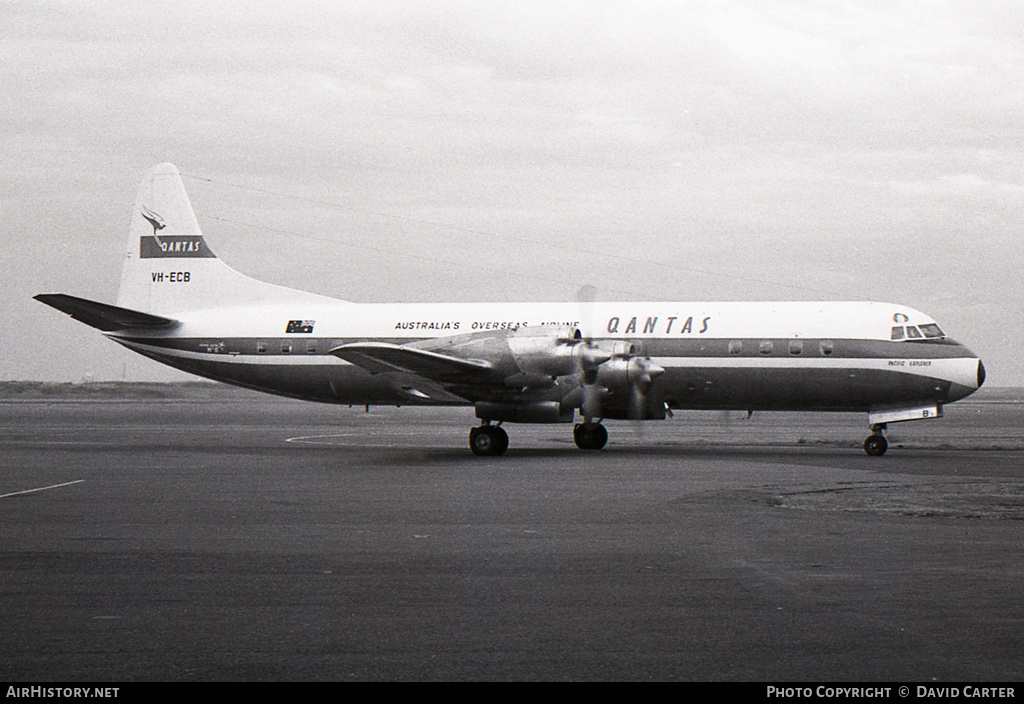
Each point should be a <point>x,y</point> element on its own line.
<point>103,316</point>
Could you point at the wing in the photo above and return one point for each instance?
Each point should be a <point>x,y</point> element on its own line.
<point>377,357</point>
<point>499,366</point>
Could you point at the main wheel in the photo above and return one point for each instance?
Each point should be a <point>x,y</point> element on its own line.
<point>488,440</point>
<point>502,437</point>
<point>876,445</point>
<point>590,436</point>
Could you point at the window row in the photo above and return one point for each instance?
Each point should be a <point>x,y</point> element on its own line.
<point>767,347</point>
<point>288,346</point>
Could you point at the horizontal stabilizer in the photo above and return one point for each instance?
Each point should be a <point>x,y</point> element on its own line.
<point>102,315</point>
<point>376,357</point>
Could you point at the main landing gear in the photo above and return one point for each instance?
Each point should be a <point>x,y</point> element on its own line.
<point>590,436</point>
<point>488,440</point>
<point>876,444</point>
<point>491,440</point>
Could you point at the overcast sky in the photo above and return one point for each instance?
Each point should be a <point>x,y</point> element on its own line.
<point>429,151</point>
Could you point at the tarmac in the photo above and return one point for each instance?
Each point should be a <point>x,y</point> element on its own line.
<point>261,539</point>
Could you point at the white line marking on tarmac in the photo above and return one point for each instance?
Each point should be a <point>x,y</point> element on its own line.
<point>365,441</point>
<point>42,488</point>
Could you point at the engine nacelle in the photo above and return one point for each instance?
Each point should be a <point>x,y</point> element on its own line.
<point>617,386</point>
<point>624,372</point>
<point>549,350</point>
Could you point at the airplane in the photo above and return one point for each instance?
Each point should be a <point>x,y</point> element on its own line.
<point>179,304</point>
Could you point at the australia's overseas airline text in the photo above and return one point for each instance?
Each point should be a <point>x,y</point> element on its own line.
<point>473,326</point>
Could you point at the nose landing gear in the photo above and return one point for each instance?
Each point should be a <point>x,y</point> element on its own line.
<point>876,444</point>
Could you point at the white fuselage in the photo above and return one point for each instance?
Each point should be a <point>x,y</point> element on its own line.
<point>764,355</point>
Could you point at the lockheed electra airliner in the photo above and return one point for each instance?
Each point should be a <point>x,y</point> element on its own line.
<point>517,362</point>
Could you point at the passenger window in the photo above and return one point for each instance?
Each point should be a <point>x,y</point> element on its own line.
<point>261,347</point>
<point>796,347</point>
<point>766,347</point>
<point>826,347</point>
<point>735,347</point>
<point>286,346</point>
<point>311,347</point>
<point>912,332</point>
<point>897,332</point>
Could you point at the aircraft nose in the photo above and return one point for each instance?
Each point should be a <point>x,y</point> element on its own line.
<point>967,377</point>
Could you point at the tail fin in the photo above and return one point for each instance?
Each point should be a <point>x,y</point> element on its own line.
<point>169,268</point>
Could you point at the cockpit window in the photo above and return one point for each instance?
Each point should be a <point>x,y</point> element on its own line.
<point>930,331</point>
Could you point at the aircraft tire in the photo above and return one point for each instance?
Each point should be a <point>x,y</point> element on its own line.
<point>488,441</point>
<point>502,440</point>
<point>590,436</point>
<point>876,445</point>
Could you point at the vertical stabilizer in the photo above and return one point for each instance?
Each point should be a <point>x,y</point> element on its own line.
<point>169,268</point>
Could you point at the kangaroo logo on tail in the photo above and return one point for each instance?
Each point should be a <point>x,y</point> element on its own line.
<point>154,219</point>
<point>181,245</point>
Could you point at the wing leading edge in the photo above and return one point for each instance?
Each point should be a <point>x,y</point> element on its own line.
<point>378,357</point>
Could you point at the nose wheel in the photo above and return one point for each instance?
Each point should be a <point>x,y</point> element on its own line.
<point>488,440</point>
<point>876,444</point>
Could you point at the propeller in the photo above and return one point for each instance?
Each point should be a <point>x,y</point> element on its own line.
<point>607,366</point>
<point>591,357</point>
<point>586,296</point>
<point>641,371</point>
